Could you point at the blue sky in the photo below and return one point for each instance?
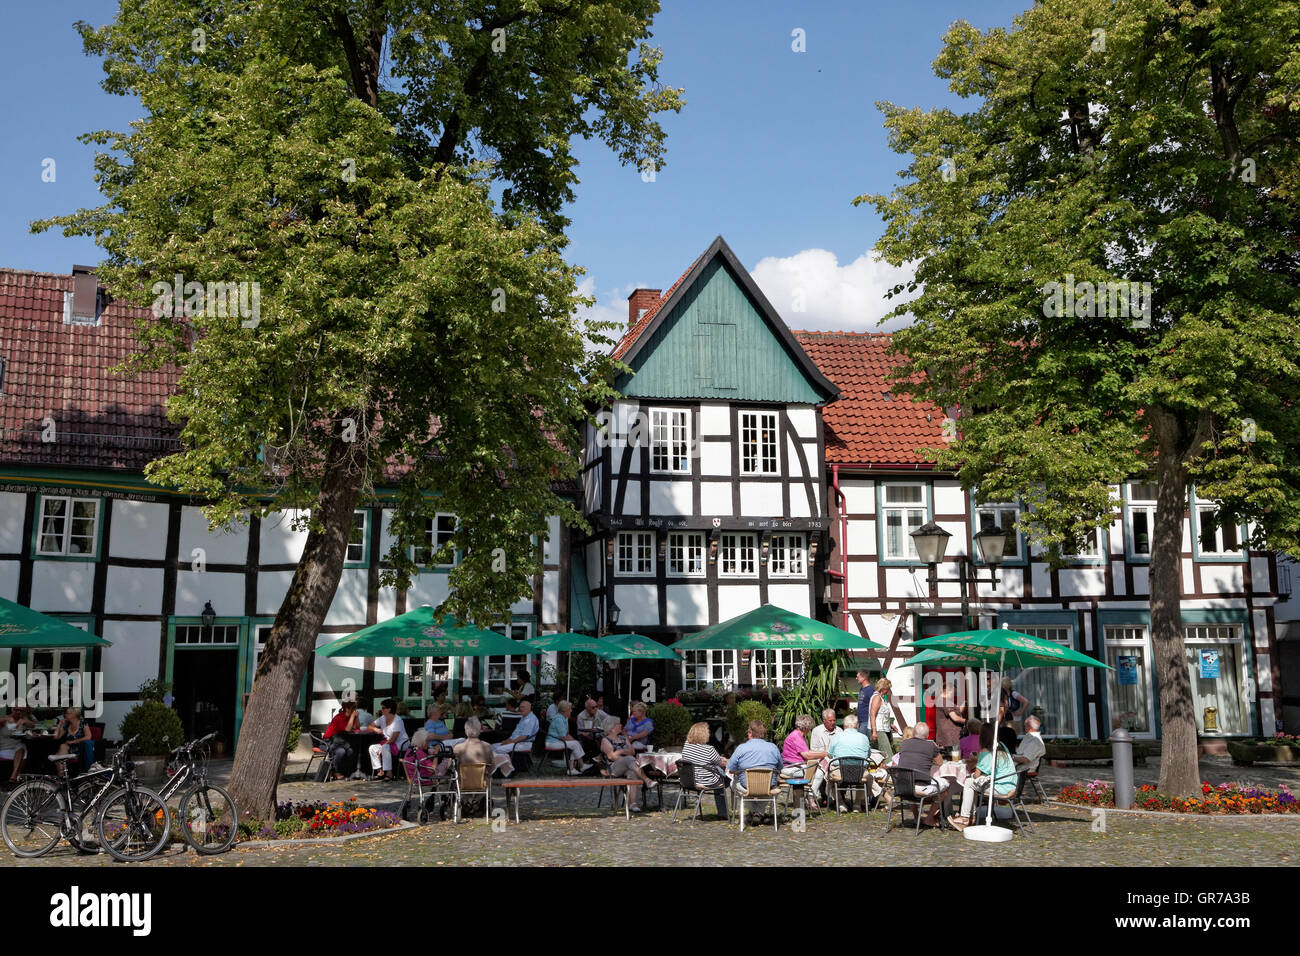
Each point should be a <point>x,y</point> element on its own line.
<point>769,151</point>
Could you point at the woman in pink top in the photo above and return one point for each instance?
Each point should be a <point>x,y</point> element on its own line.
<point>795,753</point>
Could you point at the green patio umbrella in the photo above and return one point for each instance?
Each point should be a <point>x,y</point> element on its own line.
<point>570,642</point>
<point>634,647</point>
<point>995,649</point>
<point>773,627</point>
<point>421,633</point>
<point>22,627</point>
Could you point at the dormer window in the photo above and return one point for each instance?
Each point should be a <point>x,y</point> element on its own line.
<point>84,305</point>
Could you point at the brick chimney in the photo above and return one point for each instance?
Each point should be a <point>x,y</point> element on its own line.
<point>638,302</point>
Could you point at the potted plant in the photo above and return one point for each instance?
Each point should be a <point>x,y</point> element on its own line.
<point>157,730</point>
<point>671,721</point>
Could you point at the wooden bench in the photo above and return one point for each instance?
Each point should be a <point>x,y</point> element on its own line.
<point>512,788</point>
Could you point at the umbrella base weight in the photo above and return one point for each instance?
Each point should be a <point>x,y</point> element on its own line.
<point>985,833</point>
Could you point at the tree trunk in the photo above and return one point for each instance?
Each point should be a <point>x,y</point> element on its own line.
<point>1179,766</point>
<point>265,729</point>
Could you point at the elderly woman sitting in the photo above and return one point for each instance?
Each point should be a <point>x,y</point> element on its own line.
<point>620,753</point>
<point>796,754</point>
<point>558,739</point>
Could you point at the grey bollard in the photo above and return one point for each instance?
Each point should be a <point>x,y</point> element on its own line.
<point>1121,746</point>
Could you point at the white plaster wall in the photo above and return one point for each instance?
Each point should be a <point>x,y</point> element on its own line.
<point>1011,583</point>
<point>139,530</point>
<point>133,658</point>
<point>861,538</point>
<point>803,421</point>
<point>280,543</point>
<point>550,597</point>
<point>670,498</point>
<point>1082,582</point>
<point>225,591</point>
<point>899,582</point>
<point>736,599</point>
<point>631,498</point>
<point>957,543</point>
<point>133,590</point>
<point>714,419</point>
<point>638,604</point>
<point>223,546</point>
<point>862,580</point>
<point>349,604</point>
<point>715,498</point>
<point>13,508</point>
<point>1224,578</point>
<point>761,499</point>
<point>799,503</point>
<point>715,458</point>
<point>551,547</point>
<point>687,605</point>
<point>949,499</point>
<point>1042,579</point>
<point>859,495</point>
<point>429,588</point>
<point>9,580</point>
<point>1188,578</point>
<point>792,597</point>
<point>1141,580</point>
<point>62,585</point>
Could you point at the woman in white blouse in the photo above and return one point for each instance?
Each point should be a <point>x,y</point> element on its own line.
<point>395,740</point>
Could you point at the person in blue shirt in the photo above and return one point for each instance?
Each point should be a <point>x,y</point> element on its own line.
<point>867,688</point>
<point>520,739</point>
<point>756,751</point>
<point>436,727</point>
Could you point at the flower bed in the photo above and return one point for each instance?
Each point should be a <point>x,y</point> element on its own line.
<point>296,821</point>
<point>1226,798</point>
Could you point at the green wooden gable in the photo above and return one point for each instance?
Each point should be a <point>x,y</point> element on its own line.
<point>717,337</point>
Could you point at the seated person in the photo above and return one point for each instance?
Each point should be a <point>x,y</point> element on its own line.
<point>707,763</point>
<point>1007,738</point>
<point>620,753</point>
<point>970,744</point>
<point>511,715</point>
<point>756,751</point>
<point>472,749</point>
<point>558,738</point>
<point>796,753</point>
<point>395,740</point>
<point>1032,748</point>
<point>339,755</point>
<point>639,727</point>
<point>73,736</point>
<point>981,778</point>
<point>850,742</point>
<point>437,727</point>
<point>520,739</point>
<point>591,722</point>
<point>921,755</point>
<point>18,721</point>
<point>365,719</point>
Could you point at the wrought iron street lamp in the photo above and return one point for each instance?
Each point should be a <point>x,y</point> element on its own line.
<point>931,542</point>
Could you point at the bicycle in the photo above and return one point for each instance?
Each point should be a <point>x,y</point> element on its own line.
<point>131,821</point>
<point>207,816</point>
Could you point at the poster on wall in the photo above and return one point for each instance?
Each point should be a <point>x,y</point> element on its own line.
<point>1209,664</point>
<point>1126,670</point>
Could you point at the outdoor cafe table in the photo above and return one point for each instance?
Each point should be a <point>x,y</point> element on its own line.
<point>662,760</point>
<point>360,744</point>
<point>953,770</point>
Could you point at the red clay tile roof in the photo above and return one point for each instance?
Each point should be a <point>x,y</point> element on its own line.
<point>62,372</point>
<point>629,338</point>
<point>864,426</point>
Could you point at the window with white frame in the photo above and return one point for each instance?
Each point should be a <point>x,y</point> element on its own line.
<point>686,553</point>
<point>1215,535</point>
<point>904,511</point>
<point>1053,689</point>
<point>424,675</point>
<point>438,530</point>
<point>59,668</point>
<point>708,670</point>
<point>670,440</point>
<point>785,558</point>
<point>218,635</point>
<point>68,526</point>
<point>1140,518</point>
<point>356,553</point>
<point>738,555</point>
<point>1215,657</point>
<point>777,667</point>
<point>758,443</point>
<point>1129,683</point>
<point>1094,547</point>
<point>1004,515</point>
<point>501,669</point>
<point>634,552</point>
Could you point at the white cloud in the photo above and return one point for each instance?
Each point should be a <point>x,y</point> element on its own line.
<point>811,290</point>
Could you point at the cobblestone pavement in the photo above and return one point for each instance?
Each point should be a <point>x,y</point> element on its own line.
<point>564,828</point>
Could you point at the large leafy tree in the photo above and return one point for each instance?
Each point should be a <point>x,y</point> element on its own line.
<point>1114,141</point>
<point>392,174</point>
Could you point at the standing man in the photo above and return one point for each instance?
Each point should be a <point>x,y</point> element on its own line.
<point>866,689</point>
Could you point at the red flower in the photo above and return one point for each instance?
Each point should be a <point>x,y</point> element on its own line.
<point>1206,788</point>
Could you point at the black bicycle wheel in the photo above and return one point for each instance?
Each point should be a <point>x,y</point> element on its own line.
<point>208,820</point>
<point>134,824</point>
<point>32,818</point>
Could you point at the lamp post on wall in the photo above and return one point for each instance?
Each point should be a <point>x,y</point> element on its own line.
<point>931,543</point>
<point>208,617</point>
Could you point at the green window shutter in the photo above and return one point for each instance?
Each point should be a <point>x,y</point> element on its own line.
<point>724,357</point>
<point>703,355</point>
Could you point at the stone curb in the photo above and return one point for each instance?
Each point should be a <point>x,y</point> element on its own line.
<point>1165,814</point>
<point>326,841</point>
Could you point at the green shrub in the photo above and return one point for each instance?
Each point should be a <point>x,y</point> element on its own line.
<point>739,715</point>
<point>288,827</point>
<point>295,732</point>
<point>671,723</point>
<point>158,727</point>
<point>155,689</point>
